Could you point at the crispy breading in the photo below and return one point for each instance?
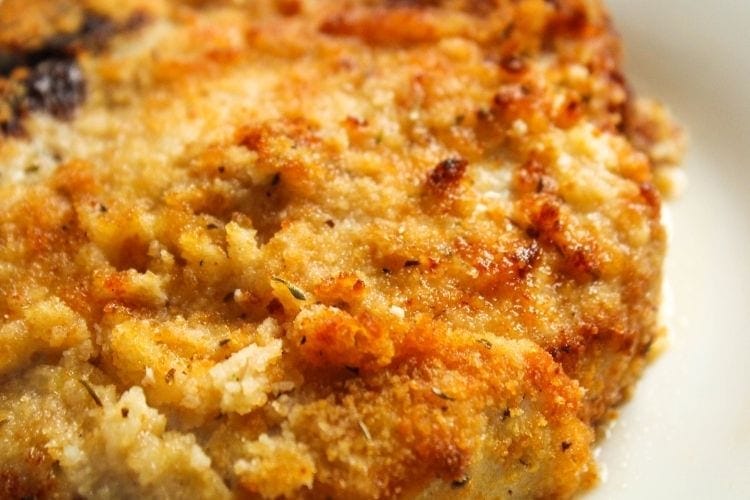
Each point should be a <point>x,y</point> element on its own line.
<point>320,249</point>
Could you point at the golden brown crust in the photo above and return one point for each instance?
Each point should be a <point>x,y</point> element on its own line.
<point>315,248</point>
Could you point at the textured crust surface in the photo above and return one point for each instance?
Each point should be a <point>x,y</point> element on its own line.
<point>314,248</point>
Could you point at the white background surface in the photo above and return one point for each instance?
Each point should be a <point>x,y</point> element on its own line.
<point>686,434</point>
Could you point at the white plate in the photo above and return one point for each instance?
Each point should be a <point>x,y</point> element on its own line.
<point>686,433</point>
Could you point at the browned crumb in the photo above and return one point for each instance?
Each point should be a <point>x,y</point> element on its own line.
<point>312,248</point>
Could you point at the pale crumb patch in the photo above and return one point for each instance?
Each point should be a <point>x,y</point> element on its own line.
<point>670,181</point>
<point>148,377</point>
<point>72,455</point>
<point>397,311</point>
<point>55,323</point>
<point>243,380</point>
<point>520,127</point>
<point>275,466</point>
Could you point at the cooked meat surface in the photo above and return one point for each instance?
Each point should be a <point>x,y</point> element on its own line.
<point>320,248</point>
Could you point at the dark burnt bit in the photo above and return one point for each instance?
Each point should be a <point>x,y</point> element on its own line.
<point>330,223</point>
<point>568,21</point>
<point>651,196</point>
<point>49,79</point>
<point>545,222</point>
<point>446,174</point>
<point>483,115</point>
<point>355,122</point>
<point>569,350</point>
<point>524,258</point>
<point>273,184</point>
<point>580,262</point>
<point>570,114</point>
<point>12,106</point>
<point>532,232</point>
<point>411,263</point>
<point>460,482</point>
<point>509,95</point>
<point>56,86</point>
<point>513,64</point>
<point>275,308</point>
<point>224,342</point>
<point>95,31</point>
<point>565,445</point>
<point>124,412</point>
<point>169,376</point>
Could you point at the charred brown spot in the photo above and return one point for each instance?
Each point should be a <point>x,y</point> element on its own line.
<point>580,262</point>
<point>569,114</point>
<point>48,78</point>
<point>288,8</point>
<point>460,482</point>
<point>446,174</point>
<point>386,25</point>
<point>508,96</point>
<point>531,177</point>
<point>651,196</point>
<point>32,477</point>
<point>513,64</point>
<point>570,21</point>
<point>547,219</point>
<point>57,87</point>
<point>524,258</point>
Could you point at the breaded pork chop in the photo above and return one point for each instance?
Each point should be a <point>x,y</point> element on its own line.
<point>319,248</point>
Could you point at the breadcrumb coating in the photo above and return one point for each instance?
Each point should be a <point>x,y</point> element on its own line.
<point>318,248</point>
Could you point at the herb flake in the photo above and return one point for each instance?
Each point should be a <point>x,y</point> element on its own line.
<point>437,392</point>
<point>91,392</point>
<point>365,430</point>
<point>486,343</point>
<point>293,289</point>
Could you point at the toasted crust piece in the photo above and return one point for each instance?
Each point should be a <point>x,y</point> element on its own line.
<point>311,248</point>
